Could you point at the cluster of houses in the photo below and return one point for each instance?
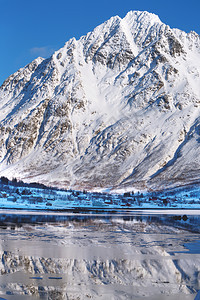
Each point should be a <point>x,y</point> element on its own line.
<point>12,196</point>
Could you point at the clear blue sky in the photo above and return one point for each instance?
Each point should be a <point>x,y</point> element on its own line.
<point>32,28</point>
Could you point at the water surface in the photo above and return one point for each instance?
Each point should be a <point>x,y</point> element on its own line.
<point>123,255</point>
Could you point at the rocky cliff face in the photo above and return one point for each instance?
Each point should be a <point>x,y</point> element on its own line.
<point>119,107</point>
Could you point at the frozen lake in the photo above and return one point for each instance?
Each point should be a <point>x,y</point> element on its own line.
<point>126,255</point>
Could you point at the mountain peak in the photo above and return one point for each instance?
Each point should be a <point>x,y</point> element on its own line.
<point>142,17</point>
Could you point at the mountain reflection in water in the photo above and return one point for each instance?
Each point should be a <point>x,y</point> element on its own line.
<point>125,255</point>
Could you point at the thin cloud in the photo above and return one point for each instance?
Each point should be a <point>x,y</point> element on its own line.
<point>42,51</point>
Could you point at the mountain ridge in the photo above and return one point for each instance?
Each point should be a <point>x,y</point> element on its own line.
<point>118,107</point>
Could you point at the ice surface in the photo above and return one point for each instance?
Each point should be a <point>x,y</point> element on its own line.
<point>97,257</point>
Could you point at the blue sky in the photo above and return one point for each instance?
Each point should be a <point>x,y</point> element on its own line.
<point>32,28</point>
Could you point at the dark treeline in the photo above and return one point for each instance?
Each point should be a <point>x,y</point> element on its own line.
<point>19,183</point>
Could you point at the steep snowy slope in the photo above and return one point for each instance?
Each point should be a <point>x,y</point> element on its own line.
<point>119,107</point>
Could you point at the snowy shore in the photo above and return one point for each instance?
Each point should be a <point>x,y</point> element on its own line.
<point>35,198</point>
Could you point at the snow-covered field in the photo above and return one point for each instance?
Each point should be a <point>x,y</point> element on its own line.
<point>14,196</point>
<point>91,256</point>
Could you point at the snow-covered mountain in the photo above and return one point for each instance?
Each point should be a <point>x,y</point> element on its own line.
<point>117,108</point>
